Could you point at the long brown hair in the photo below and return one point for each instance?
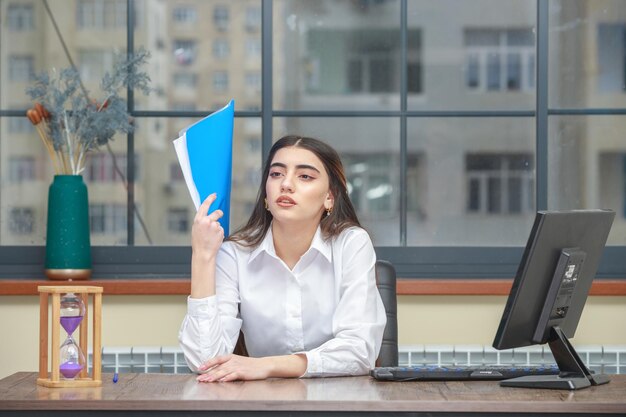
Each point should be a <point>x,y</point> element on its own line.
<point>343,214</point>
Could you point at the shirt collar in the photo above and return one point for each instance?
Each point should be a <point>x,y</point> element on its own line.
<point>319,243</point>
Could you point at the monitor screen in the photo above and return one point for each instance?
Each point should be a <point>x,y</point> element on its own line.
<point>550,289</point>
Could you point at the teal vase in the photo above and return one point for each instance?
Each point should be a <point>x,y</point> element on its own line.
<point>68,249</point>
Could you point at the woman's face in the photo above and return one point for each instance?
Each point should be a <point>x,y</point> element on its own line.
<point>297,186</point>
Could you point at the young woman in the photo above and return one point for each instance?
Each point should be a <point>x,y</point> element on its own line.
<point>298,279</point>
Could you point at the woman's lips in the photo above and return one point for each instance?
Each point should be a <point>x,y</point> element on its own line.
<point>284,201</point>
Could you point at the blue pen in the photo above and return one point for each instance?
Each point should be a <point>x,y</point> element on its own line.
<point>115,378</point>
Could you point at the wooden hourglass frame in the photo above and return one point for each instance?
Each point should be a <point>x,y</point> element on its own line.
<point>53,379</point>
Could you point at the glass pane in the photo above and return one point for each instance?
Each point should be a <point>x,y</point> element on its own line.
<point>337,55</point>
<point>471,57</point>
<point>588,52</point>
<point>161,193</point>
<point>204,53</point>
<point>468,179</point>
<point>93,30</point>
<point>587,167</point>
<point>369,149</point>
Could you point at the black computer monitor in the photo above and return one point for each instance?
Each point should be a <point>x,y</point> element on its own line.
<point>549,292</point>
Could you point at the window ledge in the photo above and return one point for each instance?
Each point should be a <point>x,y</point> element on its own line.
<point>182,286</point>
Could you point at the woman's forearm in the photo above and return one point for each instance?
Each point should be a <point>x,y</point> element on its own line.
<point>287,366</point>
<point>202,276</point>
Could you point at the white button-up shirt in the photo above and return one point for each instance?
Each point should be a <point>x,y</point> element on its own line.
<point>327,307</point>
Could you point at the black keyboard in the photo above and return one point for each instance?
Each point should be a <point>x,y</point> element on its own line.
<point>459,373</point>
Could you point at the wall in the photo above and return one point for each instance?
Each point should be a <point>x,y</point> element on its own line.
<point>429,320</point>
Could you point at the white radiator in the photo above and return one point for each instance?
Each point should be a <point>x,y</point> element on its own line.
<point>168,359</point>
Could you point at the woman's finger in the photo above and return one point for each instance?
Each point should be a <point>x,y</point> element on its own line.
<point>215,216</point>
<point>204,207</point>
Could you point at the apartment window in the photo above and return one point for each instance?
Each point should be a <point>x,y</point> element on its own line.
<point>20,17</point>
<point>21,220</point>
<point>107,218</point>
<point>253,82</point>
<point>185,14</point>
<point>220,81</point>
<point>176,174</point>
<point>612,57</point>
<point>370,183</point>
<point>220,17</point>
<point>101,14</point>
<point>94,63</point>
<point>185,79</point>
<point>20,125</point>
<point>100,167</point>
<point>364,61</point>
<point>21,67</point>
<point>500,60</point>
<point>253,47</point>
<point>253,18</point>
<point>178,220</point>
<point>185,51</point>
<point>21,168</point>
<point>500,183</point>
<point>220,48</point>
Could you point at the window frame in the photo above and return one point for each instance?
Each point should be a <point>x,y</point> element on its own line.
<point>136,262</point>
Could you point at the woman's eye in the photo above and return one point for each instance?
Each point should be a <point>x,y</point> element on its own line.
<point>306,177</point>
<point>274,174</point>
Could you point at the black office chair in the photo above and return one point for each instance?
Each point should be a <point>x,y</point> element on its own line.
<point>386,283</point>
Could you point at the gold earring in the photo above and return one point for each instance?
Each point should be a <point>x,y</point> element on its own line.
<point>329,211</point>
<point>266,206</point>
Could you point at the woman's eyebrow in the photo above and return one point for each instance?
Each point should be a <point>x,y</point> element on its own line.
<point>301,166</point>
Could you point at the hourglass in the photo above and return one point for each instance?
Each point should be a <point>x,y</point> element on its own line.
<point>69,311</point>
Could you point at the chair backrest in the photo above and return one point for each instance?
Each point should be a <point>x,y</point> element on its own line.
<point>386,283</point>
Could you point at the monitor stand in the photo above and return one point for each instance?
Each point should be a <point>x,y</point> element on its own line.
<point>573,372</point>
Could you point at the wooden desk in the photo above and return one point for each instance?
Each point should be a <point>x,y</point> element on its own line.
<point>169,394</point>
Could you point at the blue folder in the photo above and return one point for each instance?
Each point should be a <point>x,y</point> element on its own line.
<point>210,150</point>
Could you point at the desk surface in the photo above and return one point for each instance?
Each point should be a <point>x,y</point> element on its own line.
<point>170,393</point>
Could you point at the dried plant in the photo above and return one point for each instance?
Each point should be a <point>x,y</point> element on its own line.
<point>71,124</point>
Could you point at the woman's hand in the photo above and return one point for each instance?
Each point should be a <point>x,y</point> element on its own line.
<point>234,367</point>
<point>206,233</point>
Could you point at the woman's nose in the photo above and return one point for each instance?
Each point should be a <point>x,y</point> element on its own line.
<point>286,185</point>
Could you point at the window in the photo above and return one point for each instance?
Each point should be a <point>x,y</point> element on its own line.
<point>612,57</point>
<point>21,68</point>
<point>176,174</point>
<point>220,17</point>
<point>185,14</point>
<point>253,82</point>
<point>253,47</point>
<point>500,60</point>
<point>101,14</point>
<point>100,167</point>
<point>360,61</point>
<point>253,18</point>
<point>178,220</point>
<point>370,178</point>
<point>500,183</point>
<point>220,48</point>
<point>185,79</point>
<point>21,220</point>
<point>220,81</point>
<point>185,51</point>
<point>21,168</point>
<point>20,17</point>
<point>107,218</point>
<point>94,63</point>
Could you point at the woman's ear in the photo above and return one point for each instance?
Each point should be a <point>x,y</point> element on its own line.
<point>330,201</point>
